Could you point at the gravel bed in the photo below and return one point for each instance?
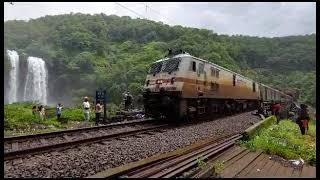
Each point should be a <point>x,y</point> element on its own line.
<point>74,136</point>
<point>90,159</point>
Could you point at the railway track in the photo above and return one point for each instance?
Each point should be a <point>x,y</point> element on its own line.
<point>87,159</point>
<point>31,144</point>
<point>174,165</point>
<point>18,146</point>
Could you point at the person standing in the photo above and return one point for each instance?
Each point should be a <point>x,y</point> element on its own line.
<point>59,110</point>
<point>98,111</point>
<point>303,119</point>
<point>42,112</point>
<point>127,100</point>
<point>276,111</point>
<point>86,107</point>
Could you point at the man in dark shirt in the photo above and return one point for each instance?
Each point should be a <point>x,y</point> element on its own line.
<point>303,118</point>
<point>276,111</point>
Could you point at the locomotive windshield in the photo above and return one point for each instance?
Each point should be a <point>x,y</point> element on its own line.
<point>165,66</point>
<point>155,68</point>
<point>171,65</point>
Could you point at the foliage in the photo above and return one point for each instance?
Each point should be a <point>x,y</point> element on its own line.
<point>285,140</point>
<point>86,52</point>
<point>19,116</point>
<point>200,162</point>
<point>73,114</point>
<point>218,166</point>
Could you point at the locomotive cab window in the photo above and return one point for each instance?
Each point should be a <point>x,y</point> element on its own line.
<point>234,80</point>
<point>254,87</point>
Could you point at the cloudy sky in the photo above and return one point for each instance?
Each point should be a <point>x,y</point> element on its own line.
<point>254,19</point>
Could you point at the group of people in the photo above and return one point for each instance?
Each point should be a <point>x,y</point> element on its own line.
<point>99,107</point>
<point>302,119</point>
<point>98,110</point>
<point>40,110</point>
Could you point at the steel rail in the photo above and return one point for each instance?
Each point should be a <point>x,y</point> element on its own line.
<point>68,144</point>
<point>179,164</point>
<point>56,133</point>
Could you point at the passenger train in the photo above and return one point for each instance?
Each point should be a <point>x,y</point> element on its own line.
<point>182,86</point>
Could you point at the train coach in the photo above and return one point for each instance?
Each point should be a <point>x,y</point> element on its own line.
<point>181,86</point>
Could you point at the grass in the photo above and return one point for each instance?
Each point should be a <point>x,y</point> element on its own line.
<point>286,140</point>
<point>218,167</point>
<point>200,162</point>
<point>20,120</point>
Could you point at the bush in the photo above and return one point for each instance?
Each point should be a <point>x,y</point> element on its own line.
<point>112,109</point>
<point>73,114</point>
<point>286,140</point>
<point>19,116</point>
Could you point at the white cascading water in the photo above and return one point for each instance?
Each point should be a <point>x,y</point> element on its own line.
<point>14,76</point>
<point>36,81</point>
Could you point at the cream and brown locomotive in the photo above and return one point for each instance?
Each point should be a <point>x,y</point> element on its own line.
<point>182,86</point>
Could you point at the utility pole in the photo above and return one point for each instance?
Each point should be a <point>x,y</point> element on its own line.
<point>146,11</point>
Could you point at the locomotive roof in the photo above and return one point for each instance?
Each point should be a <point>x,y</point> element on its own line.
<point>188,55</point>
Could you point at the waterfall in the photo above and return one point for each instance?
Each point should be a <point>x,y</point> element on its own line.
<point>36,81</point>
<point>14,76</point>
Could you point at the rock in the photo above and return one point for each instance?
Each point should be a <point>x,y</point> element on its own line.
<point>17,161</point>
<point>48,164</point>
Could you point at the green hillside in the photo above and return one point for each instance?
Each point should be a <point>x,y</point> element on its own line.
<point>84,52</point>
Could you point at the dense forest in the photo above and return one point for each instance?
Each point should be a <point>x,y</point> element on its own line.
<point>86,52</point>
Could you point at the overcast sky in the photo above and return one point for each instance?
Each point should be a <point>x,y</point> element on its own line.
<point>254,19</point>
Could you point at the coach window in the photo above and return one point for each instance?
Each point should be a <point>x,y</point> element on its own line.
<point>201,68</point>
<point>193,66</point>
<point>254,87</point>
<point>266,93</point>
<point>213,72</point>
<point>217,73</point>
<point>234,80</point>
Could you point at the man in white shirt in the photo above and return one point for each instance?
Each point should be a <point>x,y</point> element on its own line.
<point>86,107</point>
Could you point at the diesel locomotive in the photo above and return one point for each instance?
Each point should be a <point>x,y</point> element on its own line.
<point>181,86</point>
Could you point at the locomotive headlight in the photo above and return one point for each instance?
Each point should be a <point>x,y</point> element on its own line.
<point>159,81</point>
<point>172,80</point>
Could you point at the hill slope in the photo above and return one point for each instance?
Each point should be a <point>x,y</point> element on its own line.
<point>84,52</point>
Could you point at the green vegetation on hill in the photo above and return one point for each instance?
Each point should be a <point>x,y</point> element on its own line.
<point>84,52</point>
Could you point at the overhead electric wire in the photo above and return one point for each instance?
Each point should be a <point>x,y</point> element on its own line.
<point>160,14</point>
<point>131,10</point>
<point>147,6</point>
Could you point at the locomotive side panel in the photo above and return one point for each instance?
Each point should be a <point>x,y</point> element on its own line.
<point>216,83</point>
